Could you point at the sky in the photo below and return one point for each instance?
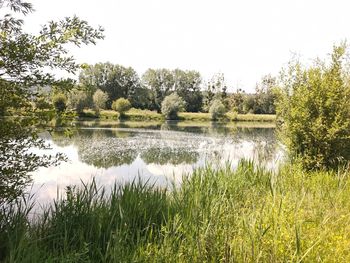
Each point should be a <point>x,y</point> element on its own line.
<point>244,40</point>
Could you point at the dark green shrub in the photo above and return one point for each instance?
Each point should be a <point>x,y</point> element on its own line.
<point>59,102</point>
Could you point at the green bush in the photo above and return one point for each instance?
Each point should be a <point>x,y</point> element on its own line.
<point>60,102</point>
<point>121,105</point>
<point>217,110</point>
<point>100,99</point>
<point>171,105</point>
<point>78,100</point>
<point>314,108</point>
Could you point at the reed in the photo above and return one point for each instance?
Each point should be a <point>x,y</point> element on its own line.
<point>248,214</point>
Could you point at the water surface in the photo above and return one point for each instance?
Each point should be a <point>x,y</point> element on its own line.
<point>160,153</point>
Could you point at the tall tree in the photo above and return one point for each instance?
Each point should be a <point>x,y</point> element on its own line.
<point>24,63</point>
<point>216,89</point>
<point>187,85</point>
<point>161,83</point>
<point>117,81</point>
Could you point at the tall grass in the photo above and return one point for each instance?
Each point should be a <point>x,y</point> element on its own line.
<point>216,215</point>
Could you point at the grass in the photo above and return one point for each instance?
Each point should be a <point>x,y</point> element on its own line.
<point>217,215</point>
<point>147,115</point>
<point>140,115</point>
<point>229,117</point>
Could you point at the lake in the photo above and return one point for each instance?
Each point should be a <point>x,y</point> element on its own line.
<point>160,153</point>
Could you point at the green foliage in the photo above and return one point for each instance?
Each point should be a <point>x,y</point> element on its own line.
<point>160,82</point>
<point>78,100</point>
<point>121,105</point>
<point>248,214</point>
<point>217,110</point>
<point>117,81</point>
<point>315,111</point>
<point>187,84</point>
<point>163,82</point>
<point>215,90</point>
<point>42,103</point>
<point>100,99</point>
<point>59,101</point>
<point>171,105</point>
<point>24,63</point>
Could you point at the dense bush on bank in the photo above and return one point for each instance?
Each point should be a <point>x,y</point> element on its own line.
<point>216,215</point>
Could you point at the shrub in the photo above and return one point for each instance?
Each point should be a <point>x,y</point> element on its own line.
<point>59,102</point>
<point>78,100</point>
<point>171,105</point>
<point>100,98</point>
<point>121,105</point>
<point>314,108</point>
<point>217,109</point>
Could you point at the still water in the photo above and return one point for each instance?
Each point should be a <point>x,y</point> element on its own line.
<point>160,153</point>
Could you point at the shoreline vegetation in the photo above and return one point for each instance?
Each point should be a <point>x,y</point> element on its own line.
<point>249,214</point>
<point>142,115</point>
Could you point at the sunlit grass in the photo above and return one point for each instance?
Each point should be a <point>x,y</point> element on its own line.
<point>217,215</point>
<point>142,115</point>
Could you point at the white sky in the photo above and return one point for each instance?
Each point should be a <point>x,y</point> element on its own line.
<point>242,39</point>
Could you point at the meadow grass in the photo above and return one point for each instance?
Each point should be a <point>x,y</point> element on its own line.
<point>139,115</point>
<point>147,115</point>
<point>248,214</point>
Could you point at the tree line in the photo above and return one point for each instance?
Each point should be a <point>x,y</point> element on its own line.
<point>102,84</point>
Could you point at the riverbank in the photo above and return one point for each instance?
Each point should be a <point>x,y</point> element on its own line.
<point>147,115</point>
<point>245,215</point>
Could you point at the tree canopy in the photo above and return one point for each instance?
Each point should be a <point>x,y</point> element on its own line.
<point>27,62</point>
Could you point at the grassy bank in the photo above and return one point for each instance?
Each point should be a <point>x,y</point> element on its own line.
<point>147,115</point>
<point>246,215</point>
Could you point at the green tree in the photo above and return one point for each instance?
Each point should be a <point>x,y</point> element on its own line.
<point>121,105</point>
<point>236,100</point>
<point>265,96</point>
<point>59,101</point>
<point>117,81</point>
<point>215,90</point>
<point>25,61</point>
<point>100,99</point>
<point>161,83</point>
<point>171,105</point>
<point>313,105</point>
<point>187,84</point>
<point>78,100</point>
<point>217,110</point>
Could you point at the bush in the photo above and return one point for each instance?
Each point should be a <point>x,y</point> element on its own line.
<point>314,108</point>
<point>121,105</point>
<point>59,102</point>
<point>100,98</point>
<point>171,105</point>
<point>78,100</point>
<point>217,110</point>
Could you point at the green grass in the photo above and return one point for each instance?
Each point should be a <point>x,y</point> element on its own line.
<point>251,117</point>
<point>217,215</point>
<point>147,115</point>
<point>140,115</point>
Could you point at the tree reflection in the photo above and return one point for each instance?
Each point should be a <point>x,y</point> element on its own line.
<point>169,155</point>
<point>18,139</point>
<point>101,158</point>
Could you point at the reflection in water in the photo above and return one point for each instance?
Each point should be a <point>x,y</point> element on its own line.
<point>168,155</point>
<point>156,152</point>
